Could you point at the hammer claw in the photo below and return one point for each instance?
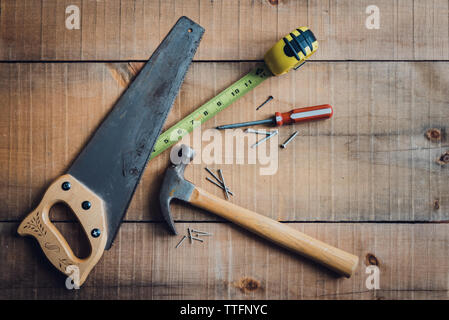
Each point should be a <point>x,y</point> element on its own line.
<point>174,186</point>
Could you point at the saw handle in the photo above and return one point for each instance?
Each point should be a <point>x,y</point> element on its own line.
<point>66,189</point>
<point>338,260</point>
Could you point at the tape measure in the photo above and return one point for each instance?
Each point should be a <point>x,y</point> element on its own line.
<point>288,53</point>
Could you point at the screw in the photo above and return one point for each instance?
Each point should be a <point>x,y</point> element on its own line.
<point>272,134</point>
<point>289,139</point>
<point>180,242</point>
<point>66,186</point>
<point>249,130</point>
<point>95,233</point>
<point>86,205</point>
<point>268,99</point>
<point>219,185</point>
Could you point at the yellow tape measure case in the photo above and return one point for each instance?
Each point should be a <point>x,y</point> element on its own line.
<point>291,51</point>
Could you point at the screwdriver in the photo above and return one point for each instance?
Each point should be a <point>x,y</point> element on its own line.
<point>323,111</point>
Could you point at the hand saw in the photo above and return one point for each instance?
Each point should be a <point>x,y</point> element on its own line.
<point>99,185</point>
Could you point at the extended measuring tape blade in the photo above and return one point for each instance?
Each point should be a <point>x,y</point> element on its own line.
<point>211,108</point>
<point>288,53</point>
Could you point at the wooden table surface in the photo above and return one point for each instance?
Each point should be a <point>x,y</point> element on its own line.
<point>369,180</point>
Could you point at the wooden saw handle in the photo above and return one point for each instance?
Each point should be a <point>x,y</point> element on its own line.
<point>338,260</point>
<point>92,219</point>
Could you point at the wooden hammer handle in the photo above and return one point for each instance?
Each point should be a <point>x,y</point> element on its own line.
<point>338,260</point>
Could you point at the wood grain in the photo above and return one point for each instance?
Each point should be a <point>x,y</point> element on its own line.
<point>235,30</point>
<point>233,264</point>
<point>379,163</point>
<point>371,162</point>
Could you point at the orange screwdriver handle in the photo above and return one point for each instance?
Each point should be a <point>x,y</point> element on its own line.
<point>323,111</point>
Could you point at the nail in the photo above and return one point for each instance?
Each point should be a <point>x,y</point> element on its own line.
<point>197,239</point>
<point>190,234</point>
<point>273,133</point>
<point>266,101</point>
<point>213,175</point>
<point>201,233</point>
<point>289,139</point>
<point>220,173</point>
<point>249,130</point>
<point>218,185</point>
<point>180,242</point>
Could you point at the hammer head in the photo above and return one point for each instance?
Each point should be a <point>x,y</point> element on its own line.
<point>174,185</point>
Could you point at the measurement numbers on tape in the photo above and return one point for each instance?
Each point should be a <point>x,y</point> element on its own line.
<point>211,108</point>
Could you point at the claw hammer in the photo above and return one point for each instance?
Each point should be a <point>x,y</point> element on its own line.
<point>175,186</point>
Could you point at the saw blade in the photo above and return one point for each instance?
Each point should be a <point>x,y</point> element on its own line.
<point>114,159</point>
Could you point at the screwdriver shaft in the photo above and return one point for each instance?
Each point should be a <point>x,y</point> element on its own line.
<point>246,124</point>
<point>293,116</point>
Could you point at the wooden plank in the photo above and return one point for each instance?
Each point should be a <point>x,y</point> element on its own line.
<point>370,162</point>
<point>235,30</point>
<point>233,264</point>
